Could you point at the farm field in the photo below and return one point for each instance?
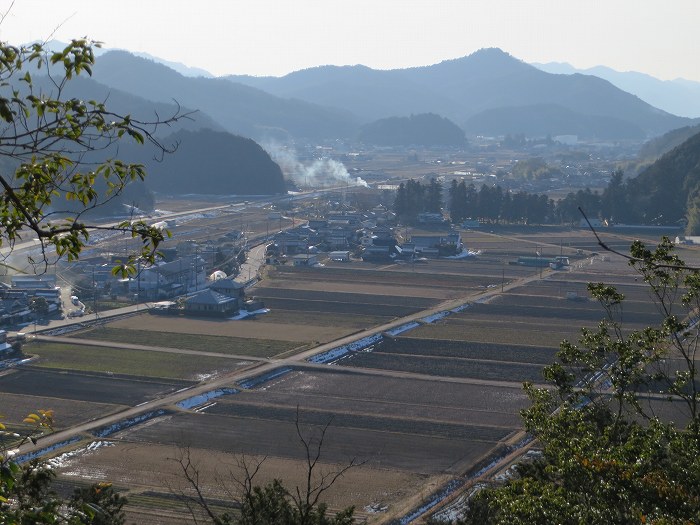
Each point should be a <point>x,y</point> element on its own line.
<point>420,408</point>
<point>336,325</point>
<point>247,328</point>
<point>398,282</point>
<point>135,465</point>
<point>104,389</point>
<point>68,412</point>
<point>340,389</point>
<point>497,331</point>
<point>197,342</point>
<point>407,433</point>
<point>136,363</point>
<point>483,369</point>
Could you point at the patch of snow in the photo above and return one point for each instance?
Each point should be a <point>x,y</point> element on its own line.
<point>127,423</point>
<point>195,401</point>
<point>244,313</point>
<point>63,459</point>
<point>334,354</point>
<point>436,316</point>
<point>43,451</point>
<point>259,380</point>
<point>376,508</point>
<point>461,308</point>
<point>403,328</point>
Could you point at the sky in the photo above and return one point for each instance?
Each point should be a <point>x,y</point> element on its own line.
<point>266,37</point>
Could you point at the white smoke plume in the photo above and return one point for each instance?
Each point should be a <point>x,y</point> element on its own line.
<point>316,174</point>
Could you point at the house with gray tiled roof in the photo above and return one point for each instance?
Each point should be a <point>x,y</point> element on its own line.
<point>211,304</point>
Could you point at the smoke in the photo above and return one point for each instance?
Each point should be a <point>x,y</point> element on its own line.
<point>316,174</point>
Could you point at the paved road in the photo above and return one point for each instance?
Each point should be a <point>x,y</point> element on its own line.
<point>254,261</point>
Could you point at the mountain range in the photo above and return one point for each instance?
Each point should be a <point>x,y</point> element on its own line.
<point>679,96</point>
<point>236,108</point>
<point>468,90</point>
<point>486,93</point>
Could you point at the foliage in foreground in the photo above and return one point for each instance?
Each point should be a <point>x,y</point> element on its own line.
<point>56,163</point>
<point>619,426</point>
<point>26,494</point>
<point>55,167</point>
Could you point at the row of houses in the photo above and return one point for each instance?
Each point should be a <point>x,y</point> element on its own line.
<point>437,245</point>
<point>338,231</point>
<point>374,243</point>
<point>17,296</point>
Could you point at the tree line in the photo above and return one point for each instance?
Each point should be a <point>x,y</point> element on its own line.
<point>494,204</point>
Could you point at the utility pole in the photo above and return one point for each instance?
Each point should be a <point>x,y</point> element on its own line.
<point>94,292</point>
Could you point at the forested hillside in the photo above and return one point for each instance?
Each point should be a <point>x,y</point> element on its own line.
<point>665,193</point>
<point>425,129</point>
<point>211,162</point>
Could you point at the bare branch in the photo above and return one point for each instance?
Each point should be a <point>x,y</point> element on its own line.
<point>607,248</point>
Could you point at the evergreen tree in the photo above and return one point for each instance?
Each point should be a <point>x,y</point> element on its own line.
<point>433,201</point>
<point>458,201</point>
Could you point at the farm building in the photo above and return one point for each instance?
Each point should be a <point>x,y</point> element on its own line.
<point>33,282</point>
<point>437,245</point>
<point>339,256</point>
<point>305,260</point>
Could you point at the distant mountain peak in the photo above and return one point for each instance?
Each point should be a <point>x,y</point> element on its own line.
<point>184,70</point>
<point>491,52</point>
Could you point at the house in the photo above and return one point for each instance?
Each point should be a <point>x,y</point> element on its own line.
<point>431,218</point>
<point>33,282</point>
<point>43,286</point>
<point>339,256</point>
<point>437,245</point>
<point>228,287</point>
<point>305,260</point>
<point>14,308</point>
<point>211,304</point>
<point>167,279</point>
<point>378,253</point>
<point>687,239</point>
<point>291,242</point>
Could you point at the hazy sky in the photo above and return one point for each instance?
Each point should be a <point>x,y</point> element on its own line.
<point>266,37</point>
